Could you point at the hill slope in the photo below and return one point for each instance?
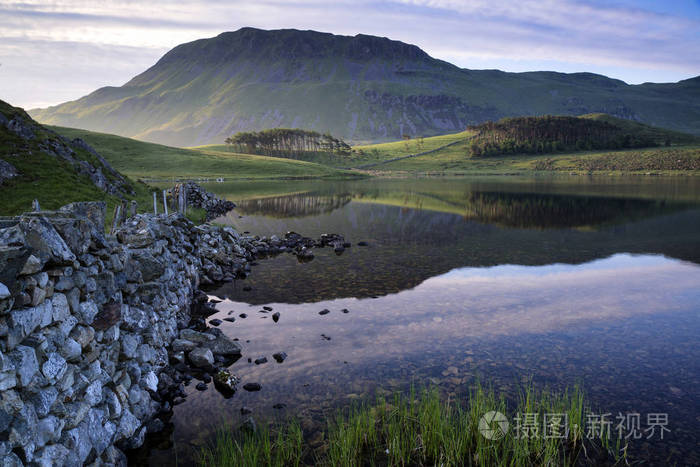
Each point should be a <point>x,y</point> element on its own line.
<point>37,163</point>
<point>360,88</point>
<point>148,160</point>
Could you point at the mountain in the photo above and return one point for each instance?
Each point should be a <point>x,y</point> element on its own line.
<point>361,88</point>
<point>37,163</point>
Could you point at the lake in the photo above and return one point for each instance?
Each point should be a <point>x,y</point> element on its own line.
<point>512,281</point>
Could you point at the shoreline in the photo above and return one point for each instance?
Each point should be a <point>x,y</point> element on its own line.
<point>98,332</point>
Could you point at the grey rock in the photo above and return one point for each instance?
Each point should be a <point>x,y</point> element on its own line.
<point>195,336</point>
<point>4,291</point>
<point>88,311</point>
<point>54,367</point>
<point>11,460</point>
<point>71,350</point>
<point>45,240</point>
<point>78,443</point>
<point>223,345</point>
<point>25,363</point>
<point>23,322</point>
<point>130,343</point>
<point>60,307</point>
<point>128,424</point>
<point>201,357</point>
<point>83,335</point>
<point>55,454</point>
<point>44,399</point>
<point>93,393</point>
<point>150,381</point>
<point>48,430</point>
<point>182,344</point>
<point>32,266</point>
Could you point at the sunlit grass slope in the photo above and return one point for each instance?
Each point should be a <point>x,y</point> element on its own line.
<point>139,159</point>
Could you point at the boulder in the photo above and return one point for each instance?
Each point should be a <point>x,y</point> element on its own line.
<point>201,357</point>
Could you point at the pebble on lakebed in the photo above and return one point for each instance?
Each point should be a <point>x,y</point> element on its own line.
<point>324,312</point>
<point>252,387</point>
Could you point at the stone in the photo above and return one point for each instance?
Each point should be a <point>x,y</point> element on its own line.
<point>60,307</point>
<point>249,425</point>
<point>215,322</point>
<point>78,444</point>
<point>4,292</point>
<point>201,357</point>
<point>43,238</point>
<point>201,386</point>
<point>88,311</point>
<point>93,393</point>
<point>196,336</point>
<point>11,460</point>
<point>50,456</point>
<point>280,356</point>
<point>24,321</point>
<point>8,375</point>
<point>260,360</point>
<point>251,387</point>
<point>223,345</point>
<point>49,430</point>
<point>150,381</point>
<point>182,344</point>
<point>109,316</point>
<point>71,350</point>
<point>38,296</point>
<point>276,316</point>
<point>324,312</point>
<point>25,363</point>
<point>54,367</point>
<point>44,399</point>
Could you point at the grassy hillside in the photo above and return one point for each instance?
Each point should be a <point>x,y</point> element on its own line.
<point>154,161</point>
<point>454,155</point>
<point>52,180</point>
<point>360,89</point>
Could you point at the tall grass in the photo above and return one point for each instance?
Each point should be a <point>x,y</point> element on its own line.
<point>422,429</point>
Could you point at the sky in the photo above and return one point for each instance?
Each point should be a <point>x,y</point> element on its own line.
<point>52,51</point>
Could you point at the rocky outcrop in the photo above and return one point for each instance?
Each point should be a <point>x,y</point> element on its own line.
<point>7,171</point>
<point>198,197</point>
<point>29,135</point>
<point>95,335</point>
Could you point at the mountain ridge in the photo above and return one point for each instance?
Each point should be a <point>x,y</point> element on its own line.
<point>360,88</point>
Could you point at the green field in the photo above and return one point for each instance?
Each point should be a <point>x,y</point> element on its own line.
<point>138,159</point>
<point>454,161</point>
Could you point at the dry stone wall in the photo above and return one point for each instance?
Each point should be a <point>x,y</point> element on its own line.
<point>85,325</point>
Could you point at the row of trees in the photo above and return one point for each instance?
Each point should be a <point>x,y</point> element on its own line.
<point>287,142</point>
<point>532,135</point>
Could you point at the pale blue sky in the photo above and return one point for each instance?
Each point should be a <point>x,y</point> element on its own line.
<point>52,51</point>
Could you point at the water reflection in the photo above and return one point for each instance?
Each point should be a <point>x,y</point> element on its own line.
<point>582,280</point>
<point>296,205</point>
<point>606,323</point>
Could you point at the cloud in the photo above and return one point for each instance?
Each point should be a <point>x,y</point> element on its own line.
<point>635,43</point>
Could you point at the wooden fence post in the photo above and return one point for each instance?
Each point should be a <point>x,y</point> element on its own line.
<point>165,203</point>
<point>35,206</point>
<point>115,221</point>
<point>134,205</point>
<point>155,205</point>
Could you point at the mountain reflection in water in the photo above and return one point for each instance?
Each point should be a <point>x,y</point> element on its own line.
<point>554,281</point>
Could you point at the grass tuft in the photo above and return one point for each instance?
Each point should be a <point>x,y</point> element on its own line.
<point>423,429</point>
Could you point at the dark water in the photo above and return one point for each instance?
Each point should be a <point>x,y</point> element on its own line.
<point>554,281</point>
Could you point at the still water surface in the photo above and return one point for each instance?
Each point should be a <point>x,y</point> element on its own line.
<point>592,281</point>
